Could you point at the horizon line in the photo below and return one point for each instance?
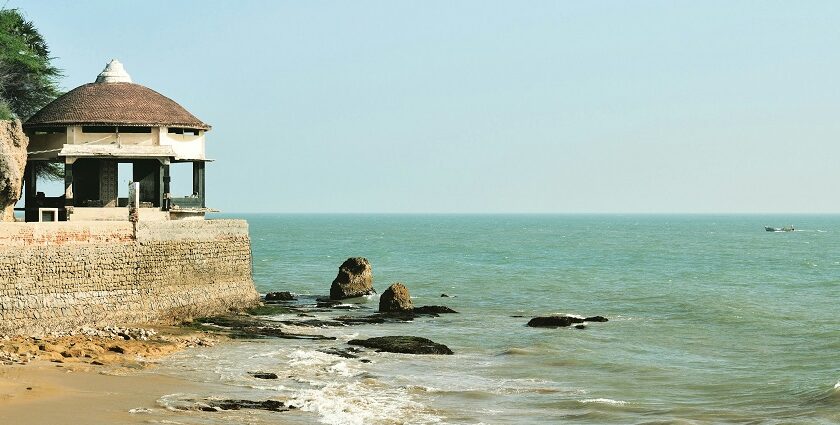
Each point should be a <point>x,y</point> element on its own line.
<point>523,213</point>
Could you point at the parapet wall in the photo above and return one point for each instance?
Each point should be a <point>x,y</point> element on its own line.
<point>60,276</point>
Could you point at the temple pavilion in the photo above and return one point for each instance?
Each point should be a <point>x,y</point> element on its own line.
<point>94,128</point>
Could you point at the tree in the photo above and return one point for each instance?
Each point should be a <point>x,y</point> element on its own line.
<point>28,81</point>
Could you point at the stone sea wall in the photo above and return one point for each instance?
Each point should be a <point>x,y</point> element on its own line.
<point>60,276</point>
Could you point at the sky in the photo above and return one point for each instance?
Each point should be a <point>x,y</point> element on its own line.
<point>486,106</point>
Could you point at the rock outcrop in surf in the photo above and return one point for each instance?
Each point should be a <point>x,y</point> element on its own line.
<point>354,279</point>
<point>562,321</point>
<point>395,299</point>
<point>402,344</point>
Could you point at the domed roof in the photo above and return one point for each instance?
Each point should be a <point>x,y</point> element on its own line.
<point>114,100</point>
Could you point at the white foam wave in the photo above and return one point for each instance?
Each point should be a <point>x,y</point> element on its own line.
<point>272,353</point>
<point>342,369</point>
<point>176,401</point>
<point>577,316</point>
<point>837,385</point>
<point>309,358</point>
<point>361,402</point>
<point>348,337</point>
<point>604,401</point>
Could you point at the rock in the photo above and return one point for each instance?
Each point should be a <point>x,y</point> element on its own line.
<point>596,319</point>
<point>444,296</point>
<point>350,320</point>
<point>271,405</point>
<point>580,326</point>
<point>117,349</point>
<point>263,375</point>
<point>395,299</point>
<point>553,321</point>
<point>280,296</point>
<point>214,405</point>
<point>13,145</point>
<point>347,353</point>
<point>402,344</point>
<point>322,303</point>
<point>561,321</point>
<point>433,310</point>
<point>247,327</point>
<point>354,279</point>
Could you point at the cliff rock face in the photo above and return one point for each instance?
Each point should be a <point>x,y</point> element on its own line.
<point>355,278</point>
<point>13,145</point>
<point>395,299</point>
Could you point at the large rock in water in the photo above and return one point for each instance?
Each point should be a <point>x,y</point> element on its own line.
<point>562,321</point>
<point>402,344</point>
<point>354,279</point>
<point>395,299</point>
<point>13,145</point>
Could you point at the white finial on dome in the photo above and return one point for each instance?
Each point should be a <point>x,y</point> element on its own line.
<point>114,72</point>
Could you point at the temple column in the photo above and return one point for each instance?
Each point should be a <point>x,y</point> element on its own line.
<point>108,182</point>
<point>198,181</point>
<point>30,189</point>
<point>166,195</point>
<point>68,182</point>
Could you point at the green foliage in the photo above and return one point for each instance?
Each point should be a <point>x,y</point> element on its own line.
<point>6,111</point>
<point>48,170</point>
<point>28,80</point>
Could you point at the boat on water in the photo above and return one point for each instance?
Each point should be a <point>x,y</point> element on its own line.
<point>779,229</point>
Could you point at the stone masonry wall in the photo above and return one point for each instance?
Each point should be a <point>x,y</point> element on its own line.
<point>61,276</point>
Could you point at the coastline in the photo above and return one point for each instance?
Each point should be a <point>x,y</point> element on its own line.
<point>91,379</point>
<point>50,393</point>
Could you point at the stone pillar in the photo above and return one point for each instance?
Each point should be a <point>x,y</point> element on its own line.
<point>166,190</point>
<point>198,181</point>
<point>30,188</point>
<point>108,191</point>
<point>68,182</point>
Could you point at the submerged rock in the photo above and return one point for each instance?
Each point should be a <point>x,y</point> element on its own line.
<point>553,321</point>
<point>596,319</point>
<point>433,310</point>
<point>347,353</point>
<point>395,299</point>
<point>213,405</point>
<point>263,375</point>
<point>247,327</point>
<point>402,344</point>
<point>354,279</point>
<point>280,296</point>
<point>562,321</point>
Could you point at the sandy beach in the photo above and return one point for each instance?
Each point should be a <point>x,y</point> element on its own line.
<point>52,393</point>
<point>89,379</point>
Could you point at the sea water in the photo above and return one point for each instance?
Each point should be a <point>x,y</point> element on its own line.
<point>711,320</point>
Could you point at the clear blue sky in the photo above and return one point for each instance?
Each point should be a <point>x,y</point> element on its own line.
<point>485,106</point>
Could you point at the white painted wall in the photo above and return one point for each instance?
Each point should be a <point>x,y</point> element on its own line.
<point>186,146</point>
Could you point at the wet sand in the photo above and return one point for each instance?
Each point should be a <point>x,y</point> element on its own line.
<point>51,393</point>
<point>89,379</point>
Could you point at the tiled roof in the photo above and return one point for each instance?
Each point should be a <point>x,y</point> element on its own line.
<point>125,104</point>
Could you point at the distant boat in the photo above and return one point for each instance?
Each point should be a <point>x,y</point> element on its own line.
<point>779,229</point>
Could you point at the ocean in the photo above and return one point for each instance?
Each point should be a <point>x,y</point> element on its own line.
<point>711,320</point>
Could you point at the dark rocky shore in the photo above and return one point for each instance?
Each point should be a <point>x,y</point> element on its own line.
<point>281,310</point>
<point>354,279</point>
